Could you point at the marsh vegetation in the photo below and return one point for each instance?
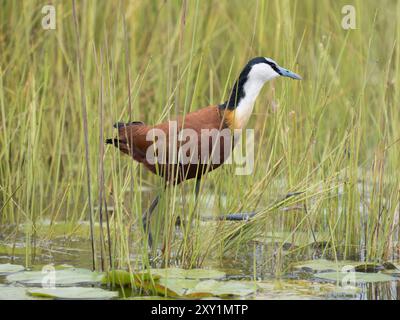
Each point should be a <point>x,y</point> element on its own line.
<point>330,141</point>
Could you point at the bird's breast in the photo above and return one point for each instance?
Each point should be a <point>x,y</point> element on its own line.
<point>238,118</point>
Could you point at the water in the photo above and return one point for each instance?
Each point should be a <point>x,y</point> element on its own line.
<point>256,260</point>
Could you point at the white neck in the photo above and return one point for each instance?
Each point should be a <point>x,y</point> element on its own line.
<point>253,83</point>
<point>245,107</point>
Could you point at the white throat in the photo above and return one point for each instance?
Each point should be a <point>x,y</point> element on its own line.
<point>245,107</point>
<point>258,75</point>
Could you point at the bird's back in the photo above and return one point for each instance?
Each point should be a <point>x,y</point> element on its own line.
<point>192,134</point>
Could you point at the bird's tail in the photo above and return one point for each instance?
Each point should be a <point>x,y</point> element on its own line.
<point>122,142</point>
<point>116,142</point>
<point>119,125</point>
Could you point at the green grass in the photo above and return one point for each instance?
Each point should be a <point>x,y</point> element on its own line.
<point>334,135</point>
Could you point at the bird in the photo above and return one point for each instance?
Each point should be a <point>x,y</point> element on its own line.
<point>139,140</point>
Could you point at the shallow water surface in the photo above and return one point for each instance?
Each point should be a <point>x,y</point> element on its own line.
<point>256,262</point>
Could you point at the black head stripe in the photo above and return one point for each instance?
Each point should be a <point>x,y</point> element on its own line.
<point>237,92</point>
<point>273,66</point>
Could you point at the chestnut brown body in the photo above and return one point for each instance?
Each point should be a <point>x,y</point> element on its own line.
<point>134,139</point>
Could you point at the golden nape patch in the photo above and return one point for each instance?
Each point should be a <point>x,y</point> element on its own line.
<point>235,120</point>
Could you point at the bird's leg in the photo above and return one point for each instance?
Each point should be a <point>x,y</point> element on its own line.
<point>180,219</point>
<point>146,219</point>
<point>196,192</point>
<point>197,188</point>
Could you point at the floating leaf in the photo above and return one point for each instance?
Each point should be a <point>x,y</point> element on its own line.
<point>13,293</point>
<point>10,268</point>
<point>356,277</point>
<point>293,289</point>
<point>322,265</point>
<point>63,266</point>
<point>188,273</point>
<point>39,267</point>
<point>147,298</point>
<point>64,277</point>
<point>172,282</point>
<point>174,287</point>
<point>73,293</point>
<point>318,265</point>
<point>210,288</point>
<point>392,272</point>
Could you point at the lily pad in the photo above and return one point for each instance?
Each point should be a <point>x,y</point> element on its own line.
<point>355,277</point>
<point>318,265</point>
<point>194,288</point>
<point>293,289</point>
<point>8,268</point>
<point>198,274</point>
<point>211,288</point>
<point>323,265</point>
<point>73,293</point>
<point>64,277</point>
<point>13,293</point>
<point>393,272</point>
<point>148,298</point>
<point>174,287</point>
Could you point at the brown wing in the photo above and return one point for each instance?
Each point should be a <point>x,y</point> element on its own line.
<point>132,141</point>
<point>215,149</point>
<point>135,139</point>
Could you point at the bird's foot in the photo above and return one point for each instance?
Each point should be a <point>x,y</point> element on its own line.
<point>238,216</point>
<point>146,229</point>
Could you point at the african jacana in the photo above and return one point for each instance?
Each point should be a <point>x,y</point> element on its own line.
<point>133,138</point>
